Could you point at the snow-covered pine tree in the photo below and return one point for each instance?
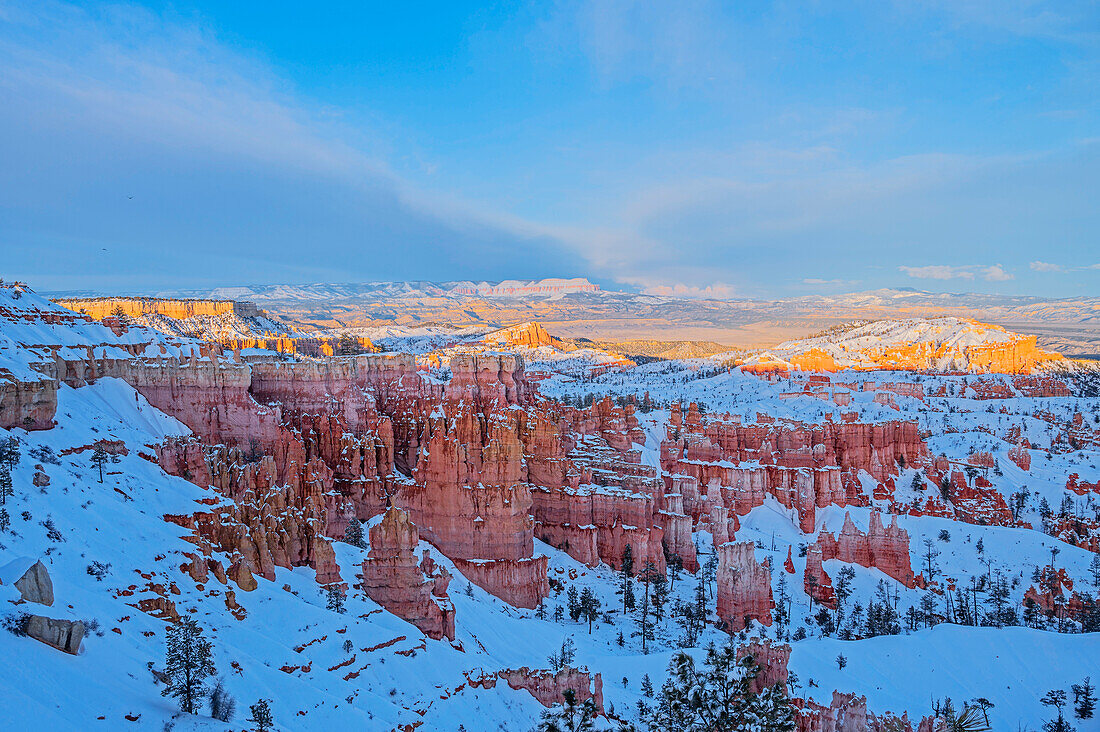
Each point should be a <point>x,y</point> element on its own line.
<point>570,716</point>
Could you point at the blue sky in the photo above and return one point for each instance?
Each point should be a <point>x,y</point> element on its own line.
<point>723,149</point>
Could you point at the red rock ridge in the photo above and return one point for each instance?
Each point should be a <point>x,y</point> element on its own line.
<point>547,687</point>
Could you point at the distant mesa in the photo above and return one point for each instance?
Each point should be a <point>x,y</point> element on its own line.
<point>912,344</point>
<point>99,308</point>
<point>529,335</point>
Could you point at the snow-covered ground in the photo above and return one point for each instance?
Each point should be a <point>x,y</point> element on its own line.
<point>289,648</point>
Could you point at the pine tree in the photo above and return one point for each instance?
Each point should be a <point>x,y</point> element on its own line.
<point>1056,698</point>
<point>188,663</point>
<point>625,571</point>
<point>353,534</point>
<point>563,657</point>
<point>675,566</point>
<point>930,554</point>
<point>1084,699</point>
<point>570,716</point>
<point>660,597</point>
<point>648,576</point>
<point>573,602</point>
<point>772,711</point>
<point>628,595</point>
<point>589,607</point>
<point>9,453</point>
<point>100,457</point>
<point>334,599</point>
<point>261,716</point>
<point>5,485</point>
<point>647,686</point>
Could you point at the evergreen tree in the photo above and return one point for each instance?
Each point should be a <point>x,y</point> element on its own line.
<point>334,599</point>
<point>9,453</point>
<point>930,554</point>
<point>589,607</point>
<point>188,663</point>
<point>353,534</point>
<point>5,485</point>
<point>659,597</point>
<point>772,711</point>
<point>563,657</point>
<point>1056,698</point>
<point>626,570</point>
<point>1084,699</point>
<point>99,457</point>
<point>570,716</point>
<point>710,572</point>
<point>676,565</point>
<point>647,686</point>
<point>261,716</point>
<point>572,601</point>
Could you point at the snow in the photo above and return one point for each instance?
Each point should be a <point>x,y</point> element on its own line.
<point>403,677</point>
<point>1012,667</point>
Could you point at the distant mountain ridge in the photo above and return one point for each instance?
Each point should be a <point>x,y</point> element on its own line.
<point>577,308</point>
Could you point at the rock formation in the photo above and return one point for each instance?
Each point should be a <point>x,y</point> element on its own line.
<point>547,687</point>
<point>886,548</point>
<point>744,587</point>
<point>413,591</point>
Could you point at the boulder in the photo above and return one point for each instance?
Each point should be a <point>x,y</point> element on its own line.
<point>64,635</point>
<point>31,579</point>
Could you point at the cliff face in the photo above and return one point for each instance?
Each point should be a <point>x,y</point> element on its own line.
<point>909,345</point>
<point>27,404</point>
<point>134,307</point>
<point>744,587</point>
<point>718,461</point>
<point>528,335</point>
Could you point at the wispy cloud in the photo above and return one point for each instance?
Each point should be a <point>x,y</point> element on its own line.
<point>716,291</point>
<point>819,281</point>
<point>231,170</point>
<point>990,273</point>
<point>1046,267</point>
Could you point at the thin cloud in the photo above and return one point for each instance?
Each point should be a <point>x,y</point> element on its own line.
<point>716,291</point>
<point>989,273</point>
<point>819,281</point>
<point>1038,266</point>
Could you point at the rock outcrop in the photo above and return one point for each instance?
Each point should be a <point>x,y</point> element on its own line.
<point>392,577</point>
<point>744,587</point>
<point>547,687</point>
<point>718,461</point>
<point>886,548</point>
